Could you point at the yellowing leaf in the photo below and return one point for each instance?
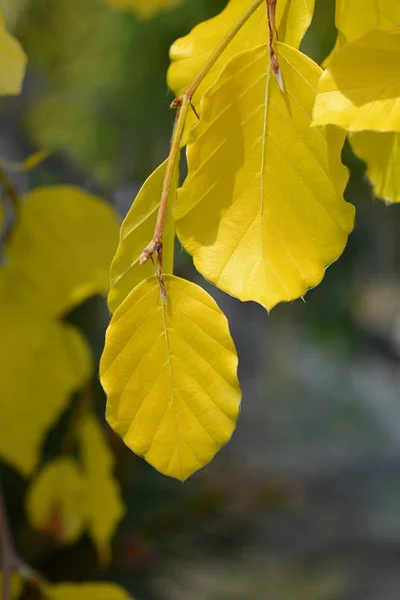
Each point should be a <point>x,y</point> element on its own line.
<point>15,586</point>
<point>169,369</point>
<point>262,209</point>
<point>103,502</point>
<point>360,89</point>
<point>87,591</point>
<point>44,363</point>
<point>357,17</point>
<point>12,62</point>
<point>381,152</point>
<point>144,8</point>
<point>63,247</point>
<point>136,232</point>
<point>55,502</point>
<point>188,54</point>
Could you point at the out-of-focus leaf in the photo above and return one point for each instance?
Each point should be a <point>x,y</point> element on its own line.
<point>144,8</point>
<point>62,249</point>
<point>169,369</point>
<point>12,62</point>
<point>360,88</point>
<point>88,591</point>
<point>55,502</point>
<point>15,586</point>
<point>136,232</point>
<point>33,161</point>
<point>104,506</point>
<point>44,362</point>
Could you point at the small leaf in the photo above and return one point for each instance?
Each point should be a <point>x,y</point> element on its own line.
<point>381,152</point>
<point>361,86</point>
<point>55,502</point>
<point>104,506</point>
<point>46,362</point>
<point>12,62</point>
<point>87,591</point>
<point>262,209</point>
<point>169,369</point>
<point>144,8</point>
<point>188,54</point>
<point>136,232</point>
<point>62,248</point>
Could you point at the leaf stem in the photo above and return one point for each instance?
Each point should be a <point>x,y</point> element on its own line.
<point>183,103</point>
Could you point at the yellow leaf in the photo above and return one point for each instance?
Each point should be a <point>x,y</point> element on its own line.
<point>188,54</point>
<point>169,369</point>
<point>136,232</point>
<point>357,17</point>
<point>63,247</point>
<point>12,62</point>
<point>87,591</point>
<point>55,501</point>
<point>360,88</point>
<point>45,363</point>
<point>262,209</point>
<point>15,586</point>
<point>104,506</point>
<point>381,152</point>
<point>144,8</point>
<point>33,161</point>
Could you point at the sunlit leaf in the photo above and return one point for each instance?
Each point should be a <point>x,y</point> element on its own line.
<point>103,502</point>
<point>136,232</point>
<point>262,209</point>
<point>12,62</point>
<point>381,152</point>
<point>169,369</point>
<point>44,363</point>
<point>55,502</point>
<point>63,247</point>
<point>88,591</point>
<point>357,17</point>
<point>360,88</point>
<point>144,8</point>
<point>188,54</point>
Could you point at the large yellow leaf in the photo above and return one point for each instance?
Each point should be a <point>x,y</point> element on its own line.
<point>55,501</point>
<point>103,502</point>
<point>188,54</point>
<point>63,246</point>
<point>43,362</point>
<point>357,17</point>
<point>136,232</point>
<point>360,89</point>
<point>87,591</point>
<point>262,209</point>
<point>12,62</point>
<point>144,8</point>
<point>381,152</point>
<point>169,369</point>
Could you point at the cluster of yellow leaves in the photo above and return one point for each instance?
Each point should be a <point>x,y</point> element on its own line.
<point>360,88</point>
<point>144,8</point>
<point>261,212</point>
<point>57,254</point>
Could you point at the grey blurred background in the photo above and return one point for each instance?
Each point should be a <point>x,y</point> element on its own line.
<point>304,503</point>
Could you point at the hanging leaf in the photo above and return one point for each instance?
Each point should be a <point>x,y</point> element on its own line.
<point>144,8</point>
<point>62,249</point>
<point>55,502</point>
<point>262,210</point>
<point>12,62</point>
<point>46,362</point>
<point>381,152</point>
<point>169,369</point>
<point>87,591</point>
<point>188,54</point>
<point>103,502</point>
<point>136,232</point>
<point>360,88</point>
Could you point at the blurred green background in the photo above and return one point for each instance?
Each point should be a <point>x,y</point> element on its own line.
<point>304,503</point>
